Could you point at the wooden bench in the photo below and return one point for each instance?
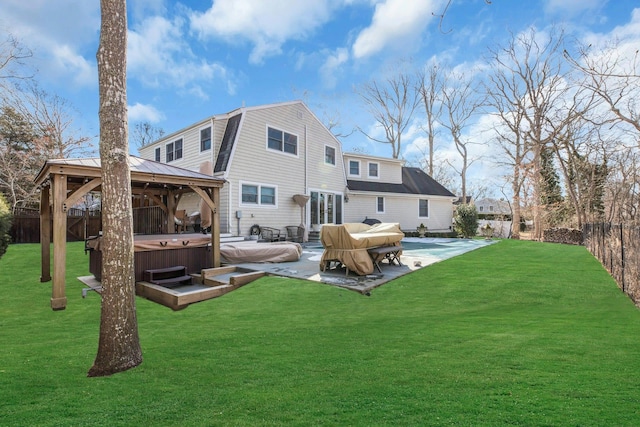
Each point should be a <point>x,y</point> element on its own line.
<point>390,253</point>
<point>168,277</point>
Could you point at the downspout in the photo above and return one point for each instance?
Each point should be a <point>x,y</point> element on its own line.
<point>306,178</point>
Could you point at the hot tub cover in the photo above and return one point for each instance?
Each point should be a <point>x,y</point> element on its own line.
<point>156,242</point>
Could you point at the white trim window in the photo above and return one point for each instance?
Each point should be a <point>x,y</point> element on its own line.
<point>258,194</point>
<point>205,139</point>
<point>157,154</point>
<point>374,170</point>
<point>174,150</point>
<point>380,204</point>
<point>423,208</point>
<point>279,140</point>
<point>330,155</point>
<point>354,167</point>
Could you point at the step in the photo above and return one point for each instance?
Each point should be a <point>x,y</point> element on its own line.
<point>171,280</point>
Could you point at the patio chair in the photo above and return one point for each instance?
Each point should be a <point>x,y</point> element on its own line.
<point>270,234</point>
<point>295,233</point>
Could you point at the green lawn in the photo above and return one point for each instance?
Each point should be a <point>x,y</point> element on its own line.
<point>516,333</point>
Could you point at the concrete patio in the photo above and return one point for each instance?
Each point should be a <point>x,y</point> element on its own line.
<point>417,253</point>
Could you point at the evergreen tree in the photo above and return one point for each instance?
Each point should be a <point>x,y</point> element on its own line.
<point>551,194</point>
<point>466,221</point>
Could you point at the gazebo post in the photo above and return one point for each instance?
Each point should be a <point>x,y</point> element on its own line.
<point>45,235</point>
<point>59,187</point>
<point>215,228</point>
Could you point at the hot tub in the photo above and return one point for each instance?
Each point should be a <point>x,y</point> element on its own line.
<point>152,251</point>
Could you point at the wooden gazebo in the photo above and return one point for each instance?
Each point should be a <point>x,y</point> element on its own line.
<point>64,182</point>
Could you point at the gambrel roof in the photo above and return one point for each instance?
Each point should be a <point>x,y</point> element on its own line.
<point>414,181</point>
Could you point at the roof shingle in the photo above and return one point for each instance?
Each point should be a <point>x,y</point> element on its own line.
<point>414,181</point>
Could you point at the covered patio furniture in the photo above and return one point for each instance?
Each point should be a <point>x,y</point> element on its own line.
<point>349,243</point>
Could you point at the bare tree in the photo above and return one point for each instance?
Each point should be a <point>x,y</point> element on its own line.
<point>12,56</point>
<point>613,74</point>
<point>392,105</point>
<point>460,105</point>
<point>529,70</point>
<point>145,133</point>
<point>332,122</point>
<point>622,196</point>
<point>582,156</point>
<point>442,15</point>
<point>47,132</point>
<point>52,119</point>
<point>430,89</point>
<point>119,344</point>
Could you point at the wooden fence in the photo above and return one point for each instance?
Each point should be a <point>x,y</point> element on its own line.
<point>617,246</point>
<point>25,227</point>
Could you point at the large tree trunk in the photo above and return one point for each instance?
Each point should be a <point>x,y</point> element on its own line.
<point>119,345</point>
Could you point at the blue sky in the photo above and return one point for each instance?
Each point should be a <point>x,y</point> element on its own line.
<point>192,59</point>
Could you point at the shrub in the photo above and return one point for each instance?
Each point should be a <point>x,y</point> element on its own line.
<point>5,225</point>
<point>466,221</point>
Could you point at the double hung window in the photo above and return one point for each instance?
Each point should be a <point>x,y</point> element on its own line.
<point>174,150</point>
<point>256,194</point>
<point>282,141</point>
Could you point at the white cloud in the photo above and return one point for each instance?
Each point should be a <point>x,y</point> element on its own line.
<point>331,67</point>
<point>394,23</point>
<point>159,55</point>
<point>84,72</point>
<point>60,35</point>
<point>626,34</point>
<point>144,113</point>
<point>265,25</point>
